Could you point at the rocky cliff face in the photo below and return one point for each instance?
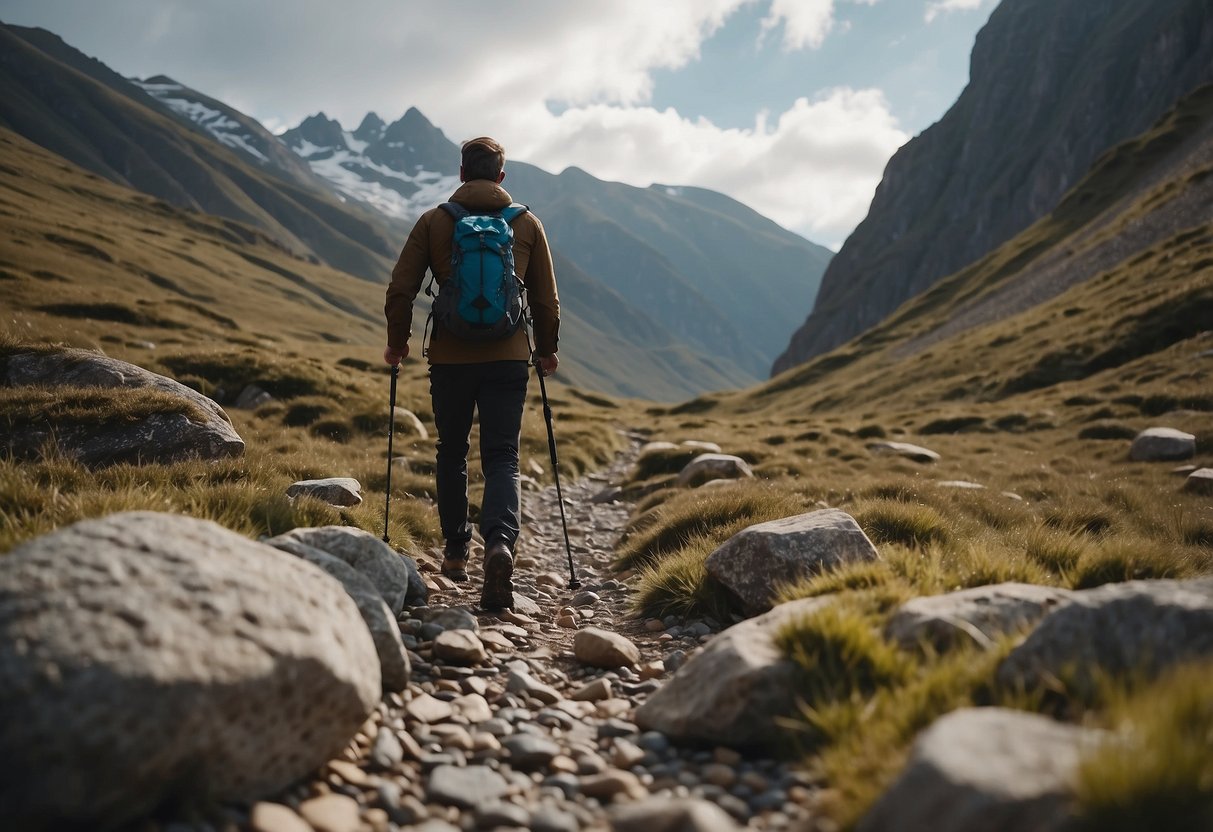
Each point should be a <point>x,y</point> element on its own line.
<point>1053,84</point>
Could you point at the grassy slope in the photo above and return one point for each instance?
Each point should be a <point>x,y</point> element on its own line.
<point>1039,407</point>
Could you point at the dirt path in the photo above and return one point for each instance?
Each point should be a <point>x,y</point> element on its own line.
<point>528,737</point>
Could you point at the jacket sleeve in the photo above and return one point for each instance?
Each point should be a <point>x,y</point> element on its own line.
<point>407,278</point>
<point>540,280</point>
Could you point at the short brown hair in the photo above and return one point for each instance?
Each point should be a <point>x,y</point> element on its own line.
<point>482,158</point>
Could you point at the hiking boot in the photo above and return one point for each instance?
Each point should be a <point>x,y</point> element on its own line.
<point>498,592</point>
<point>455,562</point>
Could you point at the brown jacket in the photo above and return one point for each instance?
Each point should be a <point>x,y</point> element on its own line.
<point>429,247</point>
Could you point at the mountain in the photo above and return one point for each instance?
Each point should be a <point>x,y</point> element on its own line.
<point>81,110</point>
<point>721,278</point>
<point>1053,84</point>
<point>1103,305</point>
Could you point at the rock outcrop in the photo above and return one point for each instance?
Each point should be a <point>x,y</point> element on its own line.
<point>1039,109</point>
<point>712,466</point>
<point>147,656</point>
<point>1137,627</point>
<point>336,491</point>
<point>992,769</point>
<point>977,615</point>
<point>205,431</point>
<point>757,561</point>
<point>734,690</point>
<point>394,575</point>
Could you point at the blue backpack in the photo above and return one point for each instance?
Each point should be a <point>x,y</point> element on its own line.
<point>482,299</point>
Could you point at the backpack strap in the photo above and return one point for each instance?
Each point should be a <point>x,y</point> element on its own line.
<point>456,210</point>
<point>513,211</point>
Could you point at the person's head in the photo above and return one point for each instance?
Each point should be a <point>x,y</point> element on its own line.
<point>482,158</point>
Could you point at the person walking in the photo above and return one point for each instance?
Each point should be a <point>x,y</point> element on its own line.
<point>485,376</point>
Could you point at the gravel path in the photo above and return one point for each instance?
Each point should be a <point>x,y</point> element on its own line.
<point>524,736</point>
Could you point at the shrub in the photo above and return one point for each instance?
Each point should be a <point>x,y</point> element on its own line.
<point>1107,430</point>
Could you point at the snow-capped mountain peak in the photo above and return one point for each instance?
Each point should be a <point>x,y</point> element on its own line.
<point>401,169</point>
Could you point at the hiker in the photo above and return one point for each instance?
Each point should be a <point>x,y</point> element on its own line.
<point>489,376</point>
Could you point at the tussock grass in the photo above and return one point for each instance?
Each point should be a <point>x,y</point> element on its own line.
<point>662,461</point>
<point>899,522</point>
<point>1158,772</point>
<point>680,585</point>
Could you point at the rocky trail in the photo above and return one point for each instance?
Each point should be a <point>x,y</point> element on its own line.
<point>524,720</point>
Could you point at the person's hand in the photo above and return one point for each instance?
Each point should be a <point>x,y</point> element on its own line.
<point>395,356</point>
<point>547,364</point>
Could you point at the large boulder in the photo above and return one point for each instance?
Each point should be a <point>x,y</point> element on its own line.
<point>148,657</point>
<point>394,664</point>
<point>205,431</point>
<point>1136,627</point>
<point>978,615</point>
<point>757,561</point>
<point>991,769</point>
<point>394,575</point>
<point>711,466</point>
<point>733,691</point>
<point>1162,444</point>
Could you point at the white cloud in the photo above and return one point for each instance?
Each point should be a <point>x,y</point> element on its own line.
<point>806,23</point>
<point>813,170</point>
<point>937,7</point>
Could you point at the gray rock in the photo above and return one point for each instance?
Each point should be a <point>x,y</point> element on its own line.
<point>714,467</point>
<point>160,437</point>
<point>653,447</point>
<point>665,815</point>
<point>985,768</point>
<point>466,787</point>
<point>600,648</point>
<point>336,491</point>
<point>408,423</point>
<point>917,453</point>
<point>1200,481</point>
<point>453,618</point>
<point>394,575</point>
<point>1162,444</point>
<point>733,691</point>
<point>978,615</point>
<point>757,561</point>
<point>962,485</point>
<point>459,647</point>
<point>251,398</point>
<point>696,444</point>
<point>529,752</point>
<point>1136,627</point>
<point>551,819</point>
<point>519,681</point>
<point>502,815</point>
<point>394,663</point>
<point>387,750</point>
<point>118,633</point>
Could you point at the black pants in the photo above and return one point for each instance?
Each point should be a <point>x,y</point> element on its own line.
<point>497,390</point>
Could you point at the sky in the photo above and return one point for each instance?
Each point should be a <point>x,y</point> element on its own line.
<point>790,106</point>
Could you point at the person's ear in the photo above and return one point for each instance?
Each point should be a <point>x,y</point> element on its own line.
<point>500,177</point>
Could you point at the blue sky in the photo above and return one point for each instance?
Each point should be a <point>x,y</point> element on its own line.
<point>791,106</point>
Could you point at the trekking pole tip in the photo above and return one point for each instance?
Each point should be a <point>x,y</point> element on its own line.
<point>574,584</point>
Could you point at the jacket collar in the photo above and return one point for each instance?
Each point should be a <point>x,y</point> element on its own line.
<point>481,194</point>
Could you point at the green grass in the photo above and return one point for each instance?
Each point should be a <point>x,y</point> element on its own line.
<point>1158,771</point>
<point>680,585</point>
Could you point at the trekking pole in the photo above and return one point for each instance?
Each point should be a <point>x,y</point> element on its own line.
<point>391,424</point>
<point>547,417</point>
